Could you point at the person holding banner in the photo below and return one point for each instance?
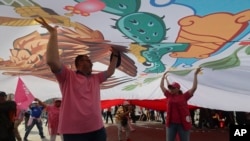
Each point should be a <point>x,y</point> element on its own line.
<point>178,120</point>
<point>53,117</point>
<point>35,119</point>
<point>80,91</point>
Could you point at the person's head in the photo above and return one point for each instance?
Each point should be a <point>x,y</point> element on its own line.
<point>127,106</point>
<point>126,103</point>
<point>83,64</point>
<point>57,102</point>
<point>3,97</point>
<point>35,103</point>
<point>10,97</point>
<point>175,88</point>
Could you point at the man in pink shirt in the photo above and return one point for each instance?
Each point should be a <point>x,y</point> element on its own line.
<point>80,115</point>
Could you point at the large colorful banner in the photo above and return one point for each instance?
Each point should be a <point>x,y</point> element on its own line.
<point>159,35</point>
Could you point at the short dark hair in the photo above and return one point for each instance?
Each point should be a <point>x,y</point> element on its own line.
<point>79,57</point>
<point>3,94</point>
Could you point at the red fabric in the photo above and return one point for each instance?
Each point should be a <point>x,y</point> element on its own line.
<point>109,103</point>
<point>156,104</point>
<point>244,43</point>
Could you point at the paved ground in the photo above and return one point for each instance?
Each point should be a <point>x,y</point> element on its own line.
<point>145,131</point>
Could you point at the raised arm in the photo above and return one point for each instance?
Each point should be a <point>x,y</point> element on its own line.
<point>195,81</point>
<point>52,53</point>
<point>162,82</point>
<point>40,102</point>
<point>111,69</point>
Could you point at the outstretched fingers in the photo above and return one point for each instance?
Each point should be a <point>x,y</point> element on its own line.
<point>44,24</point>
<point>41,20</point>
<point>198,70</point>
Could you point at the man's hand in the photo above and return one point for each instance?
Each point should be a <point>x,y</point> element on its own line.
<point>116,53</point>
<point>198,70</point>
<point>165,74</point>
<point>44,24</point>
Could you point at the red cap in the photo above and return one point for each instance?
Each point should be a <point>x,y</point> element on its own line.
<point>174,85</point>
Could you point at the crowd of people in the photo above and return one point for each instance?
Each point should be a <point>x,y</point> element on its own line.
<point>11,116</point>
<point>121,115</point>
<point>204,118</point>
<point>33,116</point>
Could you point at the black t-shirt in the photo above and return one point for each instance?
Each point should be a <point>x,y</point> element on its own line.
<point>6,123</point>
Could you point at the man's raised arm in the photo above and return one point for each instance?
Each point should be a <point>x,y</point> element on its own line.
<point>52,53</point>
